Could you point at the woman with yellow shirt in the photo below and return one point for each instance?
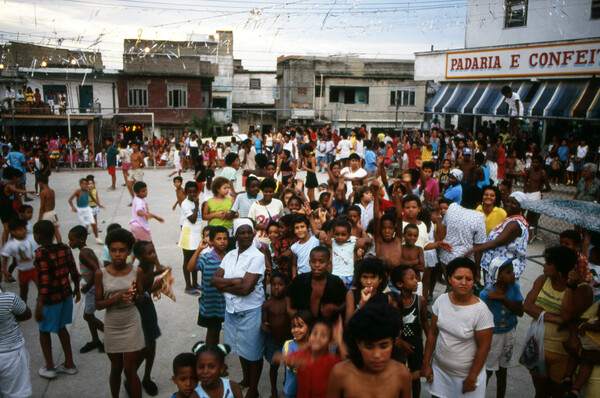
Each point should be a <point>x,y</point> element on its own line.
<point>490,208</point>
<point>557,294</point>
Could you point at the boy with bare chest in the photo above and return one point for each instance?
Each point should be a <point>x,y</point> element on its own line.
<point>387,232</point>
<point>370,372</point>
<point>412,255</point>
<point>536,182</point>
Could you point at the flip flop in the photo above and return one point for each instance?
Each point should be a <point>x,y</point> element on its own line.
<point>192,292</point>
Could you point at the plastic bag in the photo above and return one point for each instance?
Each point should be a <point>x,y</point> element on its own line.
<point>166,288</point>
<point>532,356</point>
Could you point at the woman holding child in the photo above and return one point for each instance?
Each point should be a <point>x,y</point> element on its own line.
<point>558,295</point>
<point>460,336</point>
<point>240,279</point>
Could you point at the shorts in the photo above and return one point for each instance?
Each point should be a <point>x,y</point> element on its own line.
<point>23,178</point>
<point>271,347</point>
<point>430,258</point>
<point>136,175</point>
<point>209,322</point>
<point>50,216</point>
<point>15,381</point>
<point>90,301</point>
<point>140,233</point>
<point>534,195</point>
<point>579,165</point>
<point>177,165</point>
<point>95,210</point>
<point>111,170</point>
<point>85,216</point>
<point>501,351</point>
<point>243,334</point>
<point>54,154</point>
<point>588,344</point>
<point>415,360</point>
<point>149,318</point>
<point>26,276</point>
<point>126,165</point>
<point>556,365</point>
<point>347,281</point>
<point>57,316</point>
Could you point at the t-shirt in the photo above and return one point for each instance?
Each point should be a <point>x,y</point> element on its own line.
<point>262,214</point>
<point>366,214</point>
<point>348,173</point>
<point>236,265</point>
<point>464,229</point>
<point>345,148</point>
<point>243,202</point>
<point>431,187</point>
<point>454,193</point>
<point>11,337</point>
<point>136,220</point>
<point>111,156</point>
<point>512,105</point>
<point>16,160</point>
<point>302,253</point>
<point>423,239</point>
<point>370,161</point>
<point>211,302</point>
<point>313,377</point>
<point>504,319</point>
<point>494,218</point>
<point>22,250</point>
<point>456,346</point>
<point>342,258</point>
<point>230,173</point>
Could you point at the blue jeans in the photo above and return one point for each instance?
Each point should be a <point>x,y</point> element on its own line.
<point>319,160</point>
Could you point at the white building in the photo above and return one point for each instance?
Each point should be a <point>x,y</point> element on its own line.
<point>253,100</point>
<point>548,52</point>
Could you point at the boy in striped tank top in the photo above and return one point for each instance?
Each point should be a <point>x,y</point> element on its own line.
<point>88,265</point>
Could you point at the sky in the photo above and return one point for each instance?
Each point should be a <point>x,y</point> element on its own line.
<point>262,29</point>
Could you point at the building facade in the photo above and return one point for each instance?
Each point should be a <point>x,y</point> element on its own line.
<point>253,100</point>
<point>349,91</point>
<point>549,55</point>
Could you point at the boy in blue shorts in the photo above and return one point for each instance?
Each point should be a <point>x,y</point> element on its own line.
<point>54,263</point>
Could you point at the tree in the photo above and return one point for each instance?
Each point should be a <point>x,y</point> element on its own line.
<point>206,126</point>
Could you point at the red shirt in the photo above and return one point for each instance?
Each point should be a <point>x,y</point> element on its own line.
<point>385,204</point>
<point>313,378</point>
<point>54,264</point>
<point>412,156</point>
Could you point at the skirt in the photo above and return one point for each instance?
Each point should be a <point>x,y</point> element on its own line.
<point>123,330</point>
<point>311,180</point>
<point>243,334</point>
<point>446,386</point>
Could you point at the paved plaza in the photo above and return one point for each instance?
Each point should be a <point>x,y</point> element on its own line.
<point>177,319</point>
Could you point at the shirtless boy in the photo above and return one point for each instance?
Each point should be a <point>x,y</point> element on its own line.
<point>179,191</point>
<point>468,167</point>
<point>536,182</point>
<point>412,255</point>
<point>370,372</point>
<point>137,163</point>
<point>387,245</point>
<point>47,202</point>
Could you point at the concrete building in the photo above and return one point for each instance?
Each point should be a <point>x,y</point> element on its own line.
<point>349,91</point>
<point>76,77</point>
<point>253,100</point>
<point>176,80</point>
<point>548,53</point>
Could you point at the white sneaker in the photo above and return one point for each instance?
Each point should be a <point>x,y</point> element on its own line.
<point>69,371</point>
<point>47,374</point>
<point>99,241</point>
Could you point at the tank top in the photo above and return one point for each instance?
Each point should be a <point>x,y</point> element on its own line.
<point>84,199</point>
<point>411,320</point>
<point>86,272</point>
<point>434,145</point>
<point>550,300</point>
<point>486,180</point>
<point>286,169</point>
<point>226,390</point>
<point>444,175</point>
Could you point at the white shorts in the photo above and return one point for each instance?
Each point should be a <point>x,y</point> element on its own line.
<point>430,258</point>
<point>534,195</point>
<point>177,166</point>
<point>501,351</point>
<point>136,175</point>
<point>85,216</point>
<point>15,381</point>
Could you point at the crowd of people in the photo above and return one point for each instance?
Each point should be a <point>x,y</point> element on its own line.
<point>331,275</point>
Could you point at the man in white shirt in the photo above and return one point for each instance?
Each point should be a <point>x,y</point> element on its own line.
<point>514,108</point>
<point>9,97</point>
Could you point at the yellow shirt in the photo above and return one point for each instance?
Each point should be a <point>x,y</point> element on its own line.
<point>550,300</point>
<point>426,153</point>
<point>494,218</point>
<point>353,142</point>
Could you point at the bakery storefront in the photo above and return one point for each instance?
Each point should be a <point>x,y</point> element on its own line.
<point>557,82</point>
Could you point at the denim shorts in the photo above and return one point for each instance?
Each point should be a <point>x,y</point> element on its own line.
<point>243,334</point>
<point>90,301</point>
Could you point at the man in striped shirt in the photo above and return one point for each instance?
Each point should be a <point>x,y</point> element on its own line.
<point>14,358</point>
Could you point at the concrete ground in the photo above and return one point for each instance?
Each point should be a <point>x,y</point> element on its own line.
<point>177,319</point>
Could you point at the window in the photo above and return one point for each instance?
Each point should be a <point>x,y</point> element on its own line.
<point>219,102</point>
<point>255,84</point>
<point>318,92</point>
<point>349,95</point>
<point>137,94</point>
<point>177,95</point>
<point>404,97</point>
<point>516,13</point>
<point>595,9</point>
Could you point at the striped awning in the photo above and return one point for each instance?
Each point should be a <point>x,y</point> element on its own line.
<point>576,98</point>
